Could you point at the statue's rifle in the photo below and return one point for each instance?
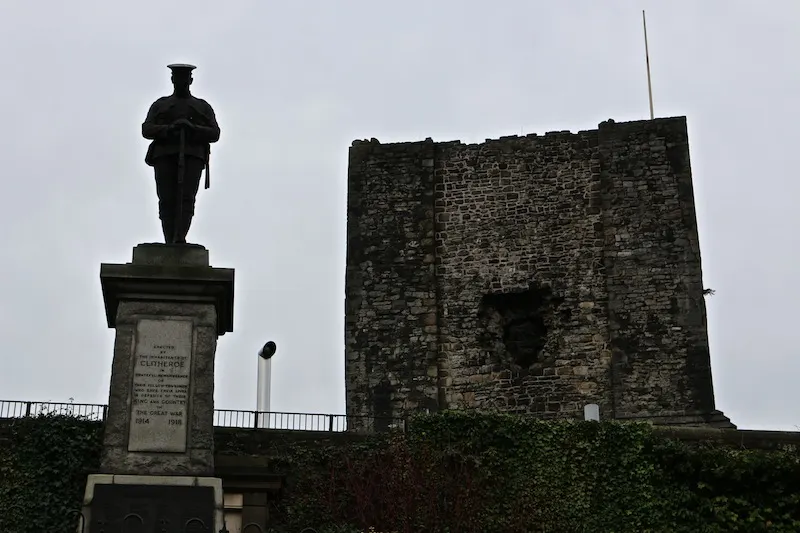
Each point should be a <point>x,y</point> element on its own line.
<point>181,172</point>
<point>208,166</point>
<point>204,122</point>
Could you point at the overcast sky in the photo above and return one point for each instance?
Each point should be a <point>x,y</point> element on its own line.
<point>293,83</point>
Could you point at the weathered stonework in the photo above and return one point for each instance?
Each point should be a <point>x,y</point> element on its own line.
<point>198,457</point>
<point>528,274</point>
<point>159,424</point>
<point>392,314</point>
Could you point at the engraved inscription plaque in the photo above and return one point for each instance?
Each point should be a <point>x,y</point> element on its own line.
<point>161,377</point>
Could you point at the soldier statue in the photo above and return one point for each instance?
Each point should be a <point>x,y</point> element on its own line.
<point>182,128</point>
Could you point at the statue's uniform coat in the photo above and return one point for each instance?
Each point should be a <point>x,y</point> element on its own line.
<point>162,155</point>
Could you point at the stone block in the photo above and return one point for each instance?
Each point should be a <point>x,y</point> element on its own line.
<point>167,273</point>
<point>170,255</point>
<point>161,402</point>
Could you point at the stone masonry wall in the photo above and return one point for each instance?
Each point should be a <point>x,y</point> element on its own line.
<point>520,218</point>
<point>658,317</point>
<point>390,316</point>
<point>567,271</point>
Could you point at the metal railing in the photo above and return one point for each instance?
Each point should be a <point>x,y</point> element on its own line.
<point>19,409</point>
<point>302,421</point>
<point>227,418</point>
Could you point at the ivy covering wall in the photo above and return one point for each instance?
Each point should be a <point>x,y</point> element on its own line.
<point>44,462</point>
<point>453,473</point>
<point>465,472</point>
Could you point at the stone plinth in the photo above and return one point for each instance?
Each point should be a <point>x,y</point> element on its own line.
<point>168,307</point>
<point>169,273</point>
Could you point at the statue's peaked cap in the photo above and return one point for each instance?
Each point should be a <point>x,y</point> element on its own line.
<point>183,68</point>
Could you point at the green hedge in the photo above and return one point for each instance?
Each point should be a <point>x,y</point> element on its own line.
<point>44,462</point>
<point>455,472</point>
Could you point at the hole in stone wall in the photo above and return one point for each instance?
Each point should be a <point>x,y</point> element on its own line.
<point>516,324</point>
<point>382,404</point>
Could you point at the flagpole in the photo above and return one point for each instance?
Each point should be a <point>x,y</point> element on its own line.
<point>647,59</point>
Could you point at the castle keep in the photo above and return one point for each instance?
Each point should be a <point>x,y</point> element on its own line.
<point>530,274</point>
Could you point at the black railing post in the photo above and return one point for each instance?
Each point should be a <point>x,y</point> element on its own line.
<point>255,421</point>
<point>105,413</point>
<point>27,409</point>
<point>330,422</point>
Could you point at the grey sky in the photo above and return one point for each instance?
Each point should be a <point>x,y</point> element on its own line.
<point>293,83</point>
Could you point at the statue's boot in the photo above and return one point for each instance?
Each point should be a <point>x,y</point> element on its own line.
<point>183,230</point>
<point>169,232</point>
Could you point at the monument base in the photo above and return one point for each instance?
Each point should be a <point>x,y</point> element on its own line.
<point>168,307</point>
<point>152,503</point>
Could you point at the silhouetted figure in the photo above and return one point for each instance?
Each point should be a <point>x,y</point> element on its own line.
<point>182,128</point>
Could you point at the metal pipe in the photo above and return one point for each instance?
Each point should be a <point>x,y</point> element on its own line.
<point>264,382</point>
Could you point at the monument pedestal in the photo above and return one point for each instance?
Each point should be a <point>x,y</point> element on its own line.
<point>168,307</point>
